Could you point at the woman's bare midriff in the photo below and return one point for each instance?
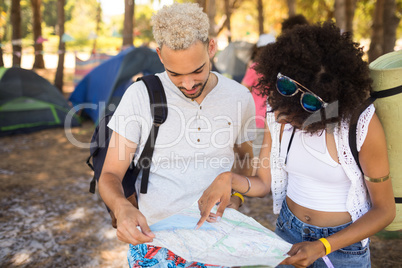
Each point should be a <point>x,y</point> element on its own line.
<point>318,218</point>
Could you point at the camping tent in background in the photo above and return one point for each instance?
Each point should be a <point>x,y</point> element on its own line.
<point>233,59</point>
<point>83,67</point>
<point>106,83</point>
<point>28,102</point>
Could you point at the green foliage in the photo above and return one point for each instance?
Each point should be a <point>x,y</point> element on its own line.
<point>4,6</point>
<point>317,11</point>
<point>244,19</point>
<point>363,19</point>
<point>113,26</point>
<point>143,29</point>
<point>399,15</point>
<point>49,13</point>
<point>83,22</point>
<point>26,19</point>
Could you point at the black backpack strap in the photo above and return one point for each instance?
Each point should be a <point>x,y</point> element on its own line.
<point>100,138</point>
<point>159,113</point>
<point>290,144</point>
<point>387,93</point>
<point>355,118</point>
<point>353,129</point>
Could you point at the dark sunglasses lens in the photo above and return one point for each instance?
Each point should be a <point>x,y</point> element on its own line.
<point>286,86</point>
<point>310,102</point>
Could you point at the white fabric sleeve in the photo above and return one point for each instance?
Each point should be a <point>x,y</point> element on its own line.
<point>132,115</point>
<point>363,124</point>
<point>248,127</point>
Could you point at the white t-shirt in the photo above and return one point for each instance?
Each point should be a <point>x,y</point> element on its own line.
<point>193,146</point>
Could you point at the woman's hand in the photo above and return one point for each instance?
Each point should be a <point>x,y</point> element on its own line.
<point>235,203</point>
<point>218,192</point>
<point>304,254</point>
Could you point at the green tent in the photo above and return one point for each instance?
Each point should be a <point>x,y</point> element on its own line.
<point>28,103</point>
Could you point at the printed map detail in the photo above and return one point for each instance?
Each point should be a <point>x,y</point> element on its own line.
<point>237,240</point>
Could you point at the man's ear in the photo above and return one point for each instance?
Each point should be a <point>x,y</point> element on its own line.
<point>158,50</point>
<point>212,47</point>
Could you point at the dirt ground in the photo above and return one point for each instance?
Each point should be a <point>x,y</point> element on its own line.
<point>49,219</point>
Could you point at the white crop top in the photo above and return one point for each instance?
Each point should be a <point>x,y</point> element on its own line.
<point>315,180</point>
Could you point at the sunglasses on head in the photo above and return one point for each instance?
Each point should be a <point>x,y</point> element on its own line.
<point>309,101</point>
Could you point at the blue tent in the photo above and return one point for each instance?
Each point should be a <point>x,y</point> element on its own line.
<point>104,86</point>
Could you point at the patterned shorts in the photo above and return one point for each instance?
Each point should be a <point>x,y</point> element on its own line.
<point>157,257</point>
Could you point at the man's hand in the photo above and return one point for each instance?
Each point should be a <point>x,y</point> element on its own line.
<point>128,218</point>
<point>218,192</point>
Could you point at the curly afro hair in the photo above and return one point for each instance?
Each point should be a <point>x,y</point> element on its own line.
<point>325,61</point>
<point>292,21</point>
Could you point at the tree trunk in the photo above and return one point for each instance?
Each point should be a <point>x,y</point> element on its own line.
<point>377,35</point>
<point>209,7</point>
<point>260,9</point>
<point>344,12</point>
<point>391,22</point>
<point>227,22</point>
<point>58,81</point>
<point>350,8</point>
<point>97,30</point>
<point>291,7</point>
<point>128,38</point>
<point>37,32</point>
<point>235,5</point>
<point>16,35</point>
<point>211,11</point>
<point>1,57</point>
<point>2,40</point>
<point>203,4</point>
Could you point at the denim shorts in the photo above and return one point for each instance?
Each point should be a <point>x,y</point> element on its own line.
<point>293,230</point>
<point>157,257</point>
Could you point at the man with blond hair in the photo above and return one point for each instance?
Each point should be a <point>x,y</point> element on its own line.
<point>210,117</point>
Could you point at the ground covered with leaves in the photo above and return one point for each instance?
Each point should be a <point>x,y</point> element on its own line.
<point>49,219</point>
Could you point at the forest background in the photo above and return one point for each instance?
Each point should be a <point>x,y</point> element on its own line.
<point>40,27</point>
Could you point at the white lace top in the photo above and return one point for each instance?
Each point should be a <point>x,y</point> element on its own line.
<point>358,201</point>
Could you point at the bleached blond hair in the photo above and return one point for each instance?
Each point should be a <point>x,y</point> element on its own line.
<point>180,25</point>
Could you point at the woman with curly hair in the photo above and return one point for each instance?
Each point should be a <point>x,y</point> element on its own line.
<point>315,79</point>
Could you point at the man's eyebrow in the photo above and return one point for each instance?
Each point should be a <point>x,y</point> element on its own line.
<point>196,70</point>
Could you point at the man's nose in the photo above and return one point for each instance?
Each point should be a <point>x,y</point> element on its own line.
<point>188,82</point>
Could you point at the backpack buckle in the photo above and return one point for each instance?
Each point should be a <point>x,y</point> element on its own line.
<point>158,120</point>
